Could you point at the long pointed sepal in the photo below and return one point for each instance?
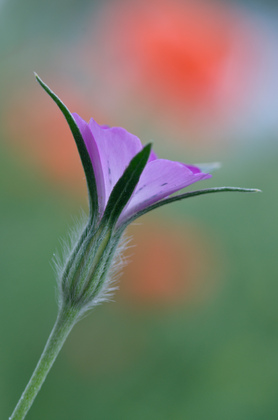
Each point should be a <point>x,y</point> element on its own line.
<point>82,150</point>
<point>125,186</point>
<point>187,195</point>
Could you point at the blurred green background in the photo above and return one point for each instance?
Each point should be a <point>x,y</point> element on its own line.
<point>192,333</point>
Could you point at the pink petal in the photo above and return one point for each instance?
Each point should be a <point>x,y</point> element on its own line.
<point>116,148</point>
<point>160,179</point>
<point>110,150</point>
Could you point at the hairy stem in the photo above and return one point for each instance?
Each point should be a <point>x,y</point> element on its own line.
<point>65,321</point>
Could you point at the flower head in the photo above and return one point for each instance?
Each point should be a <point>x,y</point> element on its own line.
<point>124,180</point>
<point>112,148</point>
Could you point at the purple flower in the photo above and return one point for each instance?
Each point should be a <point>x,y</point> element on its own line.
<point>125,180</point>
<point>112,149</point>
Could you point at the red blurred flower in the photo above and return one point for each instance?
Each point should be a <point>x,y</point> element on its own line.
<point>192,61</point>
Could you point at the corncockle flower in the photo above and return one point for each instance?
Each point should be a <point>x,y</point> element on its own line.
<point>125,180</point>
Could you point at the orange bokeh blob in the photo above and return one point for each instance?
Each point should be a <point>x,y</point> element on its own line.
<point>191,59</point>
<point>169,263</point>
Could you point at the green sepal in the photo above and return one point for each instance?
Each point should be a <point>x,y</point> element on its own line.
<point>182,197</point>
<point>125,186</point>
<point>82,150</point>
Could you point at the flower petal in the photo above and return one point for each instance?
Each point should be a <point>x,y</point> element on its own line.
<point>153,156</point>
<point>116,148</point>
<point>160,179</point>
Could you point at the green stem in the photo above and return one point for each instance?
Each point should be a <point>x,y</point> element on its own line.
<point>65,321</point>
